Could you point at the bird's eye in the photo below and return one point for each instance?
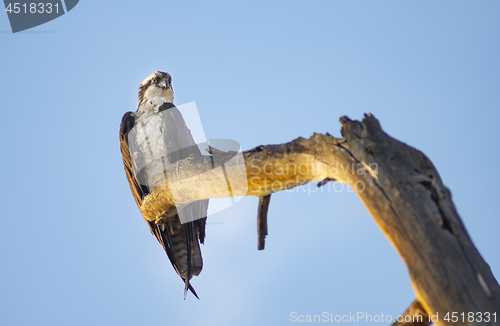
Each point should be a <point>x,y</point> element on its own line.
<point>155,80</point>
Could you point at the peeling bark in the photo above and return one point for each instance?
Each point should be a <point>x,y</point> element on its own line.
<point>399,186</point>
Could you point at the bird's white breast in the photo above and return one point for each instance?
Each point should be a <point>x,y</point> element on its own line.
<point>150,140</point>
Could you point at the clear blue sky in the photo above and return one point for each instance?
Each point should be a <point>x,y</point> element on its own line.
<point>74,249</point>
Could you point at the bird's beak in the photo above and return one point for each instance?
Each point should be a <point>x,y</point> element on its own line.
<point>164,83</point>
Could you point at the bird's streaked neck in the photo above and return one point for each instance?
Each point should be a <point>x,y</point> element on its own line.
<point>154,98</point>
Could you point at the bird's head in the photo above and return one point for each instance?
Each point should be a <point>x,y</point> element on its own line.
<point>158,84</point>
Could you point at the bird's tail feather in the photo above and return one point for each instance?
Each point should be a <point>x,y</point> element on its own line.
<point>180,242</point>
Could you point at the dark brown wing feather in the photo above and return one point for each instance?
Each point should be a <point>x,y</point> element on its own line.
<point>138,191</point>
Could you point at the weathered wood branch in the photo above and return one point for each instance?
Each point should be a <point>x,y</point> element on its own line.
<point>399,186</point>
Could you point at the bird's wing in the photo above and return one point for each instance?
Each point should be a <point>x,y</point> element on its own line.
<point>138,190</point>
<point>180,241</point>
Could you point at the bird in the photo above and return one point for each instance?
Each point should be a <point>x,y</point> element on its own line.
<point>151,138</point>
